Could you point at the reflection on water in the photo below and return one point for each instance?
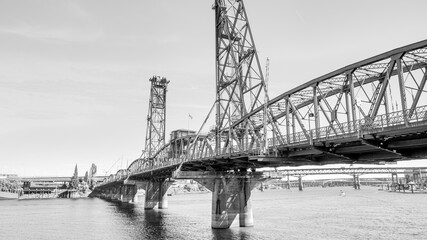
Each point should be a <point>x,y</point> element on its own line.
<point>278,214</point>
<point>230,234</point>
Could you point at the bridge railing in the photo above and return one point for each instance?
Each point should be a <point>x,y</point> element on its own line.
<point>358,127</point>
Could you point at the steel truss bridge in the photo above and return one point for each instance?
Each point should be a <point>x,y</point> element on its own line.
<point>369,112</point>
<point>416,172</point>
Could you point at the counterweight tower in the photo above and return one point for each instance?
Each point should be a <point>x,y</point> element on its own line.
<point>240,83</point>
<point>155,135</point>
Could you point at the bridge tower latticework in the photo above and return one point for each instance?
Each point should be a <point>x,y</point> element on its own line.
<point>155,132</point>
<point>240,85</point>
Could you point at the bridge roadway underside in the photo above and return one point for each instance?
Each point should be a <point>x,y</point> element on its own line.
<point>390,145</point>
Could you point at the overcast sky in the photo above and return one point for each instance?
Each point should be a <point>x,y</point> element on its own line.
<point>74,74</point>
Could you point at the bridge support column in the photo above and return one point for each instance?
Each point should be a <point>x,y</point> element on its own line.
<point>117,193</point>
<point>356,182</point>
<point>394,181</point>
<point>231,194</point>
<point>155,194</point>
<point>289,183</point>
<point>300,183</point>
<point>111,193</point>
<point>231,197</point>
<point>246,218</point>
<point>128,193</point>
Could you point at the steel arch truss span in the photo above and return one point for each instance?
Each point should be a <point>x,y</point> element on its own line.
<point>370,111</point>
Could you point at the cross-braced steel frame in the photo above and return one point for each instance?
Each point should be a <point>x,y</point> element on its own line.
<point>385,90</point>
<point>240,85</point>
<point>155,132</point>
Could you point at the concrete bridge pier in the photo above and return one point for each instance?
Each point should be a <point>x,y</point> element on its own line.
<point>117,193</point>
<point>356,182</point>
<point>155,194</point>
<point>110,194</point>
<point>231,197</point>
<point>394,181</point>
<point>128,193</point>
<point>300,183</point>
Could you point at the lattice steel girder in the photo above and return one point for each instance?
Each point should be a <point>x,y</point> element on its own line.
<point>155,132</point>
<point>367,63</point>
<point>398,74</point>
<point>418,94</point>
<point>379,93</point>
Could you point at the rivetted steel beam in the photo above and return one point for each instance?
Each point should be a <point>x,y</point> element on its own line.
<point>352,100</point>
<point>351,67</point>
<point>379,97</point>
<point>328,120</point>
<point>343,70</point>
<point>356,84</point>
<point>288,135</point>
<point>334,92</point>
<point>316,112</point>
<point>402,90</point>
<point>418,94</point>
<point>294,111</point>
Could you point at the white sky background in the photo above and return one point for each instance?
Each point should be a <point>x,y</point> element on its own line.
<point>74,75</point>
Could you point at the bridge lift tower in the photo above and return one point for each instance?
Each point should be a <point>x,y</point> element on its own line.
<point>155,132</point>
<point>240,85</point>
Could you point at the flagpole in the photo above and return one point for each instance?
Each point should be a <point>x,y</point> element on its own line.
<point>188,123</point>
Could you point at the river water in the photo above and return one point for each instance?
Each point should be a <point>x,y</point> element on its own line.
<point>314,213</point>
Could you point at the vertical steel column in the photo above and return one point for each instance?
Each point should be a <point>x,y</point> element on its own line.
<point>418,94</point>
<point>288,132</point>
<point>155,135</point>
<point>300,183</point>
<point>293,126</point>
<point>316,112</point>
<point>239,78</point>
<point>347,110</point>
<point>402,90</point>
<point>353,100</point>
<point>378,98</point>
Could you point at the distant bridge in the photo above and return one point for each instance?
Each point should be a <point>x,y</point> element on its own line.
<point>416,172</point>
<point>55,179</point>
<point>369,112</point>
<point>350,171</point>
